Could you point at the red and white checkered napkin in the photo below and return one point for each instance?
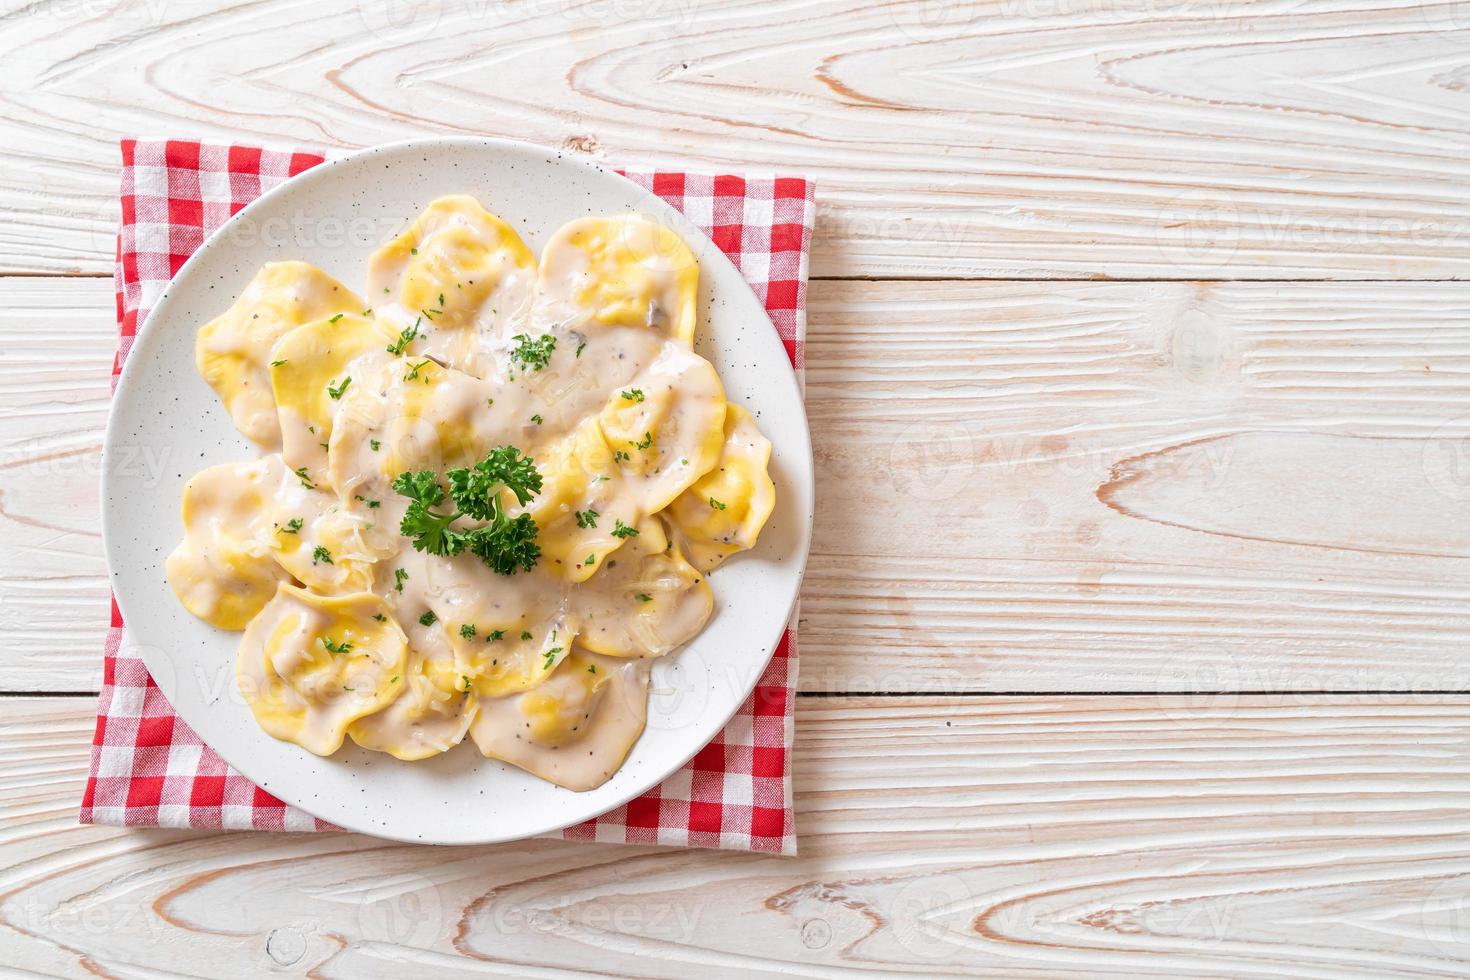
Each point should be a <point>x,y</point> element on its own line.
<point>148,766</point>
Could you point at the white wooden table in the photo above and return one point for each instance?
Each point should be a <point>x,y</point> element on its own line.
<point>1135,634</point>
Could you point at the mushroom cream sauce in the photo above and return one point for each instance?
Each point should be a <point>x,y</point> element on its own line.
<point>650,479</point>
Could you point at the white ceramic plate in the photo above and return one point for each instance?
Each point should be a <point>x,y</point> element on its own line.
<point>166,425</point>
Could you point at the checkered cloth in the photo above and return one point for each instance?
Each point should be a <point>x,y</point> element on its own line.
<point>150,769</point>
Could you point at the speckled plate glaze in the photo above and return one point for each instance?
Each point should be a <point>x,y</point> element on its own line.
<point>335,215</point>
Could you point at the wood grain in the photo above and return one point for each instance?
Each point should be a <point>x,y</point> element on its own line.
<point>999,138</point>
<point>1239,836</point>
<point>1024,486</point>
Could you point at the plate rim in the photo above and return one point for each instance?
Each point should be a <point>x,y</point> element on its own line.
<point>127,378</point>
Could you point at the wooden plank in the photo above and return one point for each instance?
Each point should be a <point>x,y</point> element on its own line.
<point>1005,139</point>
<point>1023,486</point>
<point>1238,836</point>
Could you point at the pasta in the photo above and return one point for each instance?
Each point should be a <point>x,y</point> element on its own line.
<point>489,493</point>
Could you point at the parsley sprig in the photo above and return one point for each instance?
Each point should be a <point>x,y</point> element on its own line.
<point>504,543</point>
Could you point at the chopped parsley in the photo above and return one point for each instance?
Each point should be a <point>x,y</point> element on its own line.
<point>405,336</point>
<point>293,526</point>
<point>550,656</point>
<point>536,418</point>
<point>590,559</point>
<point>413,371</point>
<point>619,455</point>
<point>305,480</point>
<point>494,635</point>
<point>533,354</point>
<point>586,518</point>
<point>525,634</point>
<point>716,504</point>
<point>468,629</point>
<point>335,318</point>
<point>321,554</point>
<point>644,597</point>
<point>621,530</point>
<point>336,390</point>
<point>633,394</point>
<point>375,444</point>
<point>399,577</point>
<point>278,363</point>
<point>371,503</point>
<point>334,647</point>
<point>645,442</point>
<point>380,617</point>
<point>428,618</point>
<point>580,347</point>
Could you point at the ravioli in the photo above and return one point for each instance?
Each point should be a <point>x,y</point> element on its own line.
<point>724,511</point>
<point>495,495</point>
<point>645,601</point>
<point>233,351</point>
<point>311,369</point>
<point>222,571</point>
<point>311,665</point>
<point>575,729</point>
<point>622,270</point>
<point>454,279</point>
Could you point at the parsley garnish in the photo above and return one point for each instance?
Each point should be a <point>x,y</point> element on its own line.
<point>399,577</point>
<point>525,634</point>
<point>428,618</point>
<point>305,480</point>
<point>590,559</point>
<point>333,647</point>
<point>336,390</point>
<point>646,442</point>
<point>586,518</point>
<point>335,318</point>
<point>591,668</point>
<point>619,455</point>
<point>621,530</point>
<point>468,629</point>
<point>321,554</point>
<point>633,394</point>
<point>278,363</point>
<point>293,526</point>
<point>550,656</point>
<point>580,346</point>
<point>405,335</point>
<point>466,682</point>
<point>506,544</point>
<point>380,617</point>
<point>413,371</point>
<point>533,354</point>
<point>716,504</point>
<point>494,635</point>
<point>644,597</point>
<point>370,503</point>
<point>375,444</point>
<point>536,418</point>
